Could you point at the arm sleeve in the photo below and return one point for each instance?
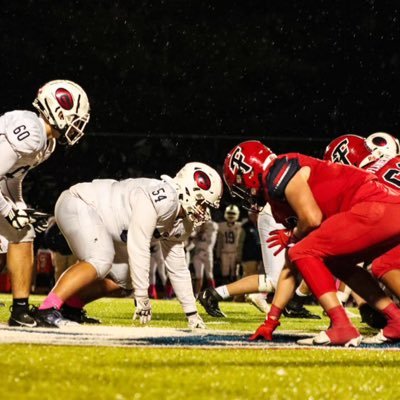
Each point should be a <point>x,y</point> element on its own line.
<point>8,158</point>
<point>179,274</point>
<point>279,176</point>
<point>140,232</point>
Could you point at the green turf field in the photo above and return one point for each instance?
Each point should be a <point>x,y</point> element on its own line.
<point>66,372</point>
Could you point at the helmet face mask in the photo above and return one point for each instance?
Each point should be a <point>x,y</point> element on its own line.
<point>243,170</point>
<point>199,187</point>
<point>386,143</point>
<point>65,106</point>
<point>351,150</point>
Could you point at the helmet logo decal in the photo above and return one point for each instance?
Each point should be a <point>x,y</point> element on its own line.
<point>237,162</point>
<point>340,152</point>
<point>202,180</point>
<point>64,98</point>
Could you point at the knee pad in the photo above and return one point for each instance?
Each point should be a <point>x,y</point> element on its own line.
<point>265,284</point>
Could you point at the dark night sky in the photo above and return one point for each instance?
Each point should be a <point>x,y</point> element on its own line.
<point>253,67</point>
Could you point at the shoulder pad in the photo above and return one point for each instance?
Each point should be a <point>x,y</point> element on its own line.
<point>281,172</point>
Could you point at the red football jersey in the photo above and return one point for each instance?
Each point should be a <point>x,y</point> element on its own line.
<point>387,170</point>
<point>335,187</point>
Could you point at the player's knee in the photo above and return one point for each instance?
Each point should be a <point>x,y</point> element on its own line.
<point>102,268</point>
<point>380,268</point>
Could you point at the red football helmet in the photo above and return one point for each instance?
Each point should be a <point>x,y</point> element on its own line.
<point>351,150</point>
<point>243,169</point>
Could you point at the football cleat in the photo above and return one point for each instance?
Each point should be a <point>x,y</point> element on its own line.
<point>78,315</point>
<point>258,301</point>
<point>22,317</point>
<point>297,310</point>
<point>347,336</point>
<point>379,338</point>
<point>209,299</point>
<point>52,318</point>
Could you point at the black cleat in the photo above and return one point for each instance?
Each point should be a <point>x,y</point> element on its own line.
<point>372,317</point>
<point>209,299</point>
<point>78,315</point>
<point>296,310</point>
<point>22,317</point>
<point>51,318</point>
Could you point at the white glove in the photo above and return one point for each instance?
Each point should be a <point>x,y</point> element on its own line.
<point>18,218</point>
<point>196,322</point>
<point>142,310</point>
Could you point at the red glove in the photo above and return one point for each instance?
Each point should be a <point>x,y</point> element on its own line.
<point>265,330</point>
<point>282,238</point>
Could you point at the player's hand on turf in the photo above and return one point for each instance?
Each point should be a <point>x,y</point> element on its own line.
<point>264,331</point>
<point>196,322</point>
<point>18,218</point>
<point>142,310</point>
<point>281,238</point>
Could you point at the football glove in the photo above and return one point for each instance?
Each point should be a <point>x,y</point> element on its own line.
<point>142,310</point>
<point>283,238</point>
<point>18,218</point>
<point>39,220</point>
<point>196,322</point>
<point>265,330</point>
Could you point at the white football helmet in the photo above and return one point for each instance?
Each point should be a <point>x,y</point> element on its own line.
<point>386,143</point>
<point>65,106</point>
<point>232,213</point>
<point>199,186</point>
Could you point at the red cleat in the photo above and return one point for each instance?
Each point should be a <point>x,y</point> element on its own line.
<point>264,331</point>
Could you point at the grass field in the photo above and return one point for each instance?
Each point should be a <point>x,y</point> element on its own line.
<point>68,372</point>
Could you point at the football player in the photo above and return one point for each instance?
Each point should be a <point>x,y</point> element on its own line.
<point>227,243</point>
<point>94,216</point>
<point>315,199</point>
<point>203,260</point>
<point>26,140</point>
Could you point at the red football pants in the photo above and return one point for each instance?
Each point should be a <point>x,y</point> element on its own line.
<point>367,229</point>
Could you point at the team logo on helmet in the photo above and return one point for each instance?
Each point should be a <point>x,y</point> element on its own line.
<point>202,180</point>
<point>64,98</point>
<point>340,152</point>
<point>237,162</point>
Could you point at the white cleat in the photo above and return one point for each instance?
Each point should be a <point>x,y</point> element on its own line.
<point>322,339</point>
<point>258,301</point>
<point>379,338</point>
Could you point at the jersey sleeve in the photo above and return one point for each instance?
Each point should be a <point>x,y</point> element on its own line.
<point>140,232</point>
<point>25,131</point>
<point>279,176</point>
<point>179,274</point>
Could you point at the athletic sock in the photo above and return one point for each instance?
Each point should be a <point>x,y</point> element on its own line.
<point>338,316</point>
<point>223,292</point>
<point>21,304</point>
<point>75,302</point>
<point>51,301</point>
<point>391,312</point>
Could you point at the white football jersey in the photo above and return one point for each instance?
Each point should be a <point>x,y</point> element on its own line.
<point>23,146</point>
<point>206,236</point>
<point>228,236</point>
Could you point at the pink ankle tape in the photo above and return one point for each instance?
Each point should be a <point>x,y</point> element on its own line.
<point>51,301</point>
<point>75,302</point>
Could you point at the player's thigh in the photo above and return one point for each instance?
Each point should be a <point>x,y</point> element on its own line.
<point>350,232</point>
<point>84,230</point>
<point>119,274</point>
